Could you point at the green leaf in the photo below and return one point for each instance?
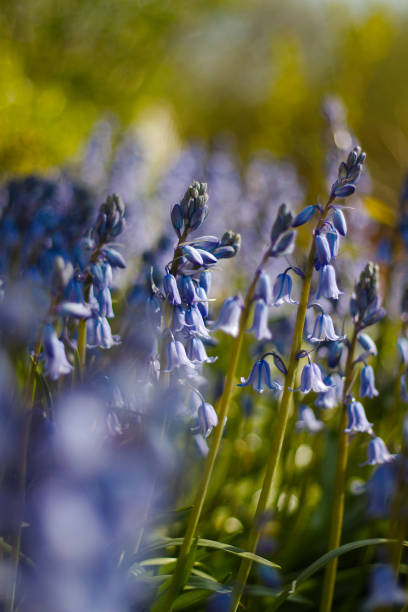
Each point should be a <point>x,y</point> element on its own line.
<point>322,561</point>
<point>202,542</point>
<point>158,561</point>
<point>186,600</point>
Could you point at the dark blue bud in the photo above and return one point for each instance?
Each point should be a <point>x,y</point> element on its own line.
<point>367,343</point>
<point>205,281</point>
<point>203,301</point>
<point>339,222</point>
<point>187,289</point>
<point>323,253</point>
<point>343,191</point>
<point>208,258</point>
<point>177,218</point>
<point>171,289</point>
<point>279,363</point>
<point>114,257</point>
<point>224,252</point>
<point>334,353</point>
<point>192,255</point>
<point>284,246</point>
<point>282,222</point>
<point>304,216</point>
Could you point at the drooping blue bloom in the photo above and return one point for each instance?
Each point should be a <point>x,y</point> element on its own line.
<point>384,591</point>
<point>196,352</point>
<point>367,343</point>
<point>264,288</point>
<point>207,419</point>
<point>311,379</point>
<point>327,283</point>
<point>260,323</point>
<point>304,216</point>
<point>357,420</point>
<point>179,319</point>
<point>381,489</point>
<point>104,300</point>
<point>195,321</point>
<point>282,290</point>
<point>323,254</point>
<point>377,452</point>
<point>307,420</point>
<point>260,376</point>
<point>99,333</point>
<point>188,290</point>
<point>323,329</point>
<point>56,362</point>
<point>334,353</point>
<point>171,289</point>
<point>367,383</point>
<point>332,397</point>
<point>339,221</point>
<point>176,356</point>
<point>334,243</point>
<point>203,301</point>
<point>229,316</point>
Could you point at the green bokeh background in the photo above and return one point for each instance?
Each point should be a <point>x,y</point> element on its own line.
<point>255,69</point>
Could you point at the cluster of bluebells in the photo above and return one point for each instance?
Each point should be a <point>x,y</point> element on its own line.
<point>179,310</point>
<point>84,292</point>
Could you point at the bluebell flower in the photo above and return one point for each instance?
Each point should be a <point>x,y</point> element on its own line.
<point>260,323</point>
<point>207,418</point>
<point>367,383</point>
<point>205,281</point>
<point>114,258</point>
<point>403,349</point>
<point>229,316</point>
<point>323,329</point>
<point>99,333</point>
<point>260,376</point>
<point>311,379</point>
<point>192,255</point>
<point>56,362</point>
<point>194,320</point>
<point>282,290</point>
<point>73,309</point>
<point>333,396</point>
<point>104,300</point>
<point>179,319</point>
<point>384,591</point>
<point>334,353</point>
<point>304,216</point>
<point>333,242</point>
<point>367,343</point>
<point>188,290</point>
<point>175,355</point>
<point>264,288</point>
<point>203,301</point>
<point>377,452</point>
<point>196,352</point>
<point>171,289</point>
<point>339,221</point>
<point>327,283</point>
<point>381,489</point>
<point>357,420</point>
<point>323,253</point>
<point>307,420</point>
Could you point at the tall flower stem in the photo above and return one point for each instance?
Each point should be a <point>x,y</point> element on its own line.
<point>339,486</point>
<point>167,600</point>
<point>281,423</point>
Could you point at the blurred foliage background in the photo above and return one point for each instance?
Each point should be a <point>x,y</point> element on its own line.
<point>256,70</point>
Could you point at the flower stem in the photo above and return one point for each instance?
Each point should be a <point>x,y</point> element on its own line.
<point>339,485</point>
<point>281,423</point>
<point>167,599</point>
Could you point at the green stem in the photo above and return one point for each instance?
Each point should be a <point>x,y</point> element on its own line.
<point>281,423</point>
<point>339,486</point>
<point>166,602</point>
